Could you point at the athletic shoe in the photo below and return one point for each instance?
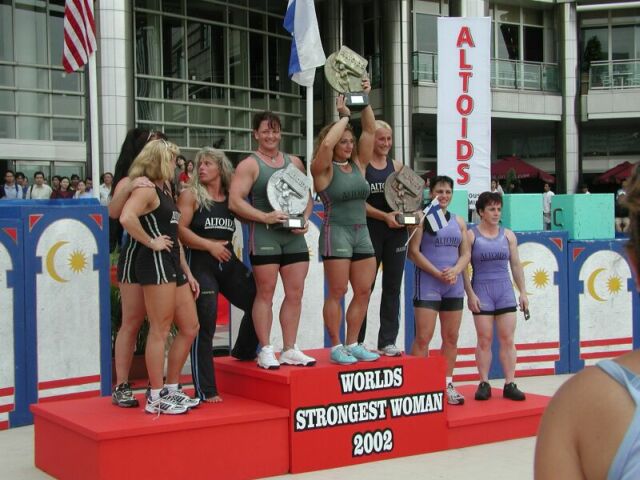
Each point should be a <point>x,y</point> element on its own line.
<point>294,356</point>
<point>484,391</point>
<point>165,404</point>
<point>512,392</point>
<point>122,396</point>
<point>342,356</point>
<point>391,351</point>
<point>362,353</point>
<point>181,398</point>
<point>267,359</point>
<point>453,396</point>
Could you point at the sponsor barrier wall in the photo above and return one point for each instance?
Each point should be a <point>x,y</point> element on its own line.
<point>56,283</point>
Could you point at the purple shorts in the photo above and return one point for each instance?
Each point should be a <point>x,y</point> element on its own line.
<point>430,288</point>
<point>496,296</point>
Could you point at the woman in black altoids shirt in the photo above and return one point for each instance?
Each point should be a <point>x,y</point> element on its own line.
<point>206,227</point>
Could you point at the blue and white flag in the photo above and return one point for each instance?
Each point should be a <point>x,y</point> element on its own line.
<point>306,47</point>
<point>435,216</point>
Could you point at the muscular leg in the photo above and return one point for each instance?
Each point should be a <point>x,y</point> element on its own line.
<point>133,312</point>
<point>361,275</point>
<point>484,332</point>
<point>378,242</point>
<point>425,319</point>
<point>266,277</point>
<point>336,274</point>
<point>186,319</point>
<point>449,329</point>
<point>505,329</point>
<point>160,301</point>
<point>293,276</point>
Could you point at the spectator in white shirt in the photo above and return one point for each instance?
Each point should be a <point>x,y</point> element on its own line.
<point>39,190</point>
<point>105,188</point>
<point>546,206</point>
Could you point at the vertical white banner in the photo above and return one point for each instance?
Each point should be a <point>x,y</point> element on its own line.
<point>464,103</point>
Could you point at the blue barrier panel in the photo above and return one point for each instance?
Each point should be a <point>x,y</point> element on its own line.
<point>603,302</point>
<point>14,410</point>
<point>66,301</point>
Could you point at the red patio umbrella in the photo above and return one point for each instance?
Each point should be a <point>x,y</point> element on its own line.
<point>501,168</point>
<point>617,173</point>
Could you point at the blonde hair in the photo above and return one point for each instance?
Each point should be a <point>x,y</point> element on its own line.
<point>155,161</point>
<point>383,124</point>
<point>323,134</point>
<point>225,167</point>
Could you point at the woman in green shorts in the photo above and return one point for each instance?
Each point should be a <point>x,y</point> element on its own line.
<point>272,250</point>
<point>345,246</point>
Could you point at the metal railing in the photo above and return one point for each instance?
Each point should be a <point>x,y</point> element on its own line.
<point>604,75</point>
<point>511,74</point>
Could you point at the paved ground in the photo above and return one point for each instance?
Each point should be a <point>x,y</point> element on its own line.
<point>497,461</point>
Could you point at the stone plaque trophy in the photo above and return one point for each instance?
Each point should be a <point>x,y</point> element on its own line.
<point>345,70</point>
<point>403,192</point>
<point>288,191</point>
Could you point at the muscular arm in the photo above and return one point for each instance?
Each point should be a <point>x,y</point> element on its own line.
<point>516,268</point>
<point>321,167</point>
<point>465,250</point>
<point>216,248</point>
<point>141,201</point>
<point>365,143</point>
<point>122,192</point>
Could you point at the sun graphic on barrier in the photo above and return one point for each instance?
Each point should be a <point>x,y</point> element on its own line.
<point>77,261</point>
<point>540,278</point>
<point>614,284</point>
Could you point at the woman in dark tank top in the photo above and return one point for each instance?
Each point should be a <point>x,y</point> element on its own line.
<point>206,227</point>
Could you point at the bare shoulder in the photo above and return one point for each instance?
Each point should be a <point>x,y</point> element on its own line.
<point>396,165</point>
<point>297,162</point>
<point>462,223</point>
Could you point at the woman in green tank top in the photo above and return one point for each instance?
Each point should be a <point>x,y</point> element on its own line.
<point>345,246</point>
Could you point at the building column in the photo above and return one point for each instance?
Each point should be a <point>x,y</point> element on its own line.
<point>396,76</point>
<point>115,78</point>
<point>570,159</point>
<point>473,8</point>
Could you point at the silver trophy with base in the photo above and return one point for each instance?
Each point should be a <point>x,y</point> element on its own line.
<point>403,192</point>
<point>288,191</point>
<point>345,70</point>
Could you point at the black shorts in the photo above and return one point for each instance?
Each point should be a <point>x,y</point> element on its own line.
<point>444,305</point>
<point>282,259</point>
<point>499,311</point>
<point>355,256</point>
<point>157,268</point>
<point>127,260</point>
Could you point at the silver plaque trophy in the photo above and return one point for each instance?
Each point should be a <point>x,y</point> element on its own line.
<point>403,192</point>
<point>288,191</point>
<point>345,70</point>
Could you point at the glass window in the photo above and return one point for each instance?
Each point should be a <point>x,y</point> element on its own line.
<point>7,126</point>
<point>174,90</point>
<point>150,4</point>
<point>67,82</point>
<point>596,44</point>
<point>66,105</point>
<point>175,112</point>
<point>67,130</point>
<point>507,13</point>
<point>177,135</point>
<point>149,111</point>
<point>205,52</point>
<point>238,62</point>
<point>240,119</point>
<point>29,102</point>
<point>33,128</point>
<point>622,43</point>
<point>237,17</point>
<point>200,115</point>
<point>31,33</point>
<point>173,47</point>
<point>56,35</point>
<point>533,44</point>
<point>508,41</point>
<point>240,140</point>
<point>172,6</point>
<point>149,88</point>
<point>6,76</point>
<point>6,31</point>
<point>206,10</point>
<point>257,54</point>
<point>625,15</point>
<point>7,101</point>
<point>532,17</point>
<point>28,77</point>
<point>148,43</point>
<point>256,20</point>
<point>426,33</point>
<point>199,137</point>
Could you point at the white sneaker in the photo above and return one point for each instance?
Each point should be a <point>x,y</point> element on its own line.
<point>267,359</point>
<point>164,404</point>
<point>295,356</point>
<point>453,396</point>
<point>391,351</point>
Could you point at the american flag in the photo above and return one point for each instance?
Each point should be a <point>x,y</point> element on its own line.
<point>79,34</point>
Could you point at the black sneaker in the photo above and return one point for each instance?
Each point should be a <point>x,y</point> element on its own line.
<point>511,392</point>
<point>122,396</point>
<point>484,391</point>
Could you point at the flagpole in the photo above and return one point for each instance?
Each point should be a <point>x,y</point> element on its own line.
<point>309,132</point>
<point>94,126</point>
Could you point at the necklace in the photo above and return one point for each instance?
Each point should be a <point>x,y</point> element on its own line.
<point>341,164</point>
<point>273,159</point>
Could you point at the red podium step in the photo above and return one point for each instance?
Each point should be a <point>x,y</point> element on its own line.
<point>494,420</point>
<point>343,415</point>
<point>90,438</point>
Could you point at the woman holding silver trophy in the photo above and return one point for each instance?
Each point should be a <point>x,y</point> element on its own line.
<point>338,170</point>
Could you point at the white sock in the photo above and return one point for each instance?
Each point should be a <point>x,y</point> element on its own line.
<point>352,345</point>
<point>449,380</point>
<point>171,387</point>
<point>154,393</point>
<point>335,347</point>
